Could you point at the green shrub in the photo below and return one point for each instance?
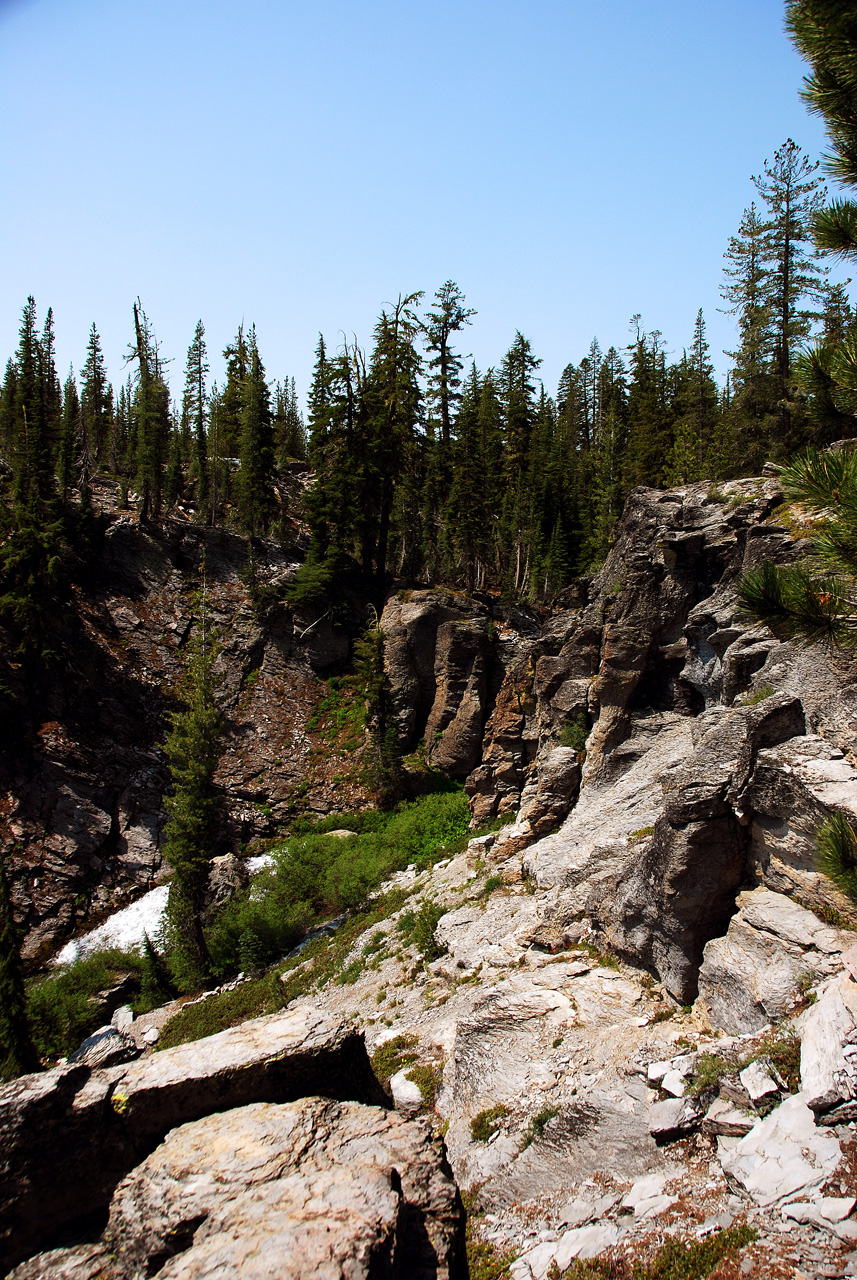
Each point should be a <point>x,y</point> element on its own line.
<point>484,1125</point>
<point>62,1008</point>
<point>392,1055</point>
<point>574,734</point>
<point>837,853</point>
<point>418,928</point>
<point>676,1259</point>
<point>428,1077</point>
<point>538,1124</point>
<point>758,695</point>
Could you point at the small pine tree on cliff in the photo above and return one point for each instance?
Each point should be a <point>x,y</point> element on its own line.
<point>193,747</point>
<point>17,1054</point>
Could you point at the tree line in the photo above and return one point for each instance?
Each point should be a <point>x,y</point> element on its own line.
<point>424,467</point>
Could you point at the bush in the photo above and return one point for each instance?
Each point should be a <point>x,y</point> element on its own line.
<point>574,734</point>
<point>418,927</point>
<point>675,1260</point>
<point>538,1123</point>
<point>62,1007</point>
<point>484,1125</point>
<point>391,1056</point>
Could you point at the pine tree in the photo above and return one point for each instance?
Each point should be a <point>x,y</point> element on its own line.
<point>649,410</point>
<point>151,411</point>
<point>70,438</point>
<point>385,432</point>
<point>256,496</point>
<point>193,747</point>
<point>825,32</point>
<point>753,407</point>
<point>17,1054</point>
<point>793,278</point>
<point>194,413</point>
<point>444,367</point>
<point>31,554</point>
<point>96,402</point>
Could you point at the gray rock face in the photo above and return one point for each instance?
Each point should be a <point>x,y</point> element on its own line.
<point>750,976</point>
<point>453,731</point>
<point>310,1188</point>
<point>436,650</point>
<point>682,892</point>
<point>828,1055</point>
<point>67,1136</point>
<point>782,1156</point>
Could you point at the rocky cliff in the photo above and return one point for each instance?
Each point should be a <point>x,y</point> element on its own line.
<point>596,1035</point>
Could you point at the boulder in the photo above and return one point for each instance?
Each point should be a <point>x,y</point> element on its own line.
<point>783,1156</point>
<point>405,1094</point>
<point>750,977</point>
<point>309,1188</point>
<point>579,1242</point>
<point>67,1136</point>
<point>81,1262</point>
<point>227,876</point>
<point>105,1048</point>
<point>829,1076</point>
<point>673,1118</point>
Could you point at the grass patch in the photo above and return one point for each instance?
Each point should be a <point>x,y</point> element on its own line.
<point>391,1056</point>
<point>484,1260</point>
<point>640,833</point>
<point>428,1077</point>
<point>217,1012</point>
<point>538,1123</point>
<point>484,1125</point>
<point>675,1260</point>
<point>601,958</point>
<point>758,695</point>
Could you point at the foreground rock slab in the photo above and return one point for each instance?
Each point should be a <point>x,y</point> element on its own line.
<point>68,1136</point>
<point>309,1188</point>
<point>783,1156</point>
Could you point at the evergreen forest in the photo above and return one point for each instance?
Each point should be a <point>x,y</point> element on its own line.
<point>409,462</point>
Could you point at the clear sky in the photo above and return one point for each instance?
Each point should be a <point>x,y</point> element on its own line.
<point>297,163</point>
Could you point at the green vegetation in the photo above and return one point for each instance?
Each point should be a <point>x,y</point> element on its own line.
<point>486,1123</point>
<point>392,1055</point>
<point>758,695</point>
<point>675,1259</point>
<point>418,927</point>
<point>484,1260</point>
<point>574,734</point>
<point>537,1125</point>
<point>779,1047</point>
<point>428,1077</point>
<point>62,1006</point>
<point>837,853</point>
<point>640,833</point>
<point>316,876</point>
<point>193,747</point>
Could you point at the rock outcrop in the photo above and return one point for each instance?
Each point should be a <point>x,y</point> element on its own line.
<point>307,1188</point>
<point>68,1135</point>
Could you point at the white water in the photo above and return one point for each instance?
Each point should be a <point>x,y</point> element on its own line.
<point>123,929</point>
<point>126,928</point>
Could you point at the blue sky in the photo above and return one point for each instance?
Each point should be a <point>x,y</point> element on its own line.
<point>298,164</point>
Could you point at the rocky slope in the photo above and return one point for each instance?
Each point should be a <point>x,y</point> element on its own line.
<point>594,1039</point>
